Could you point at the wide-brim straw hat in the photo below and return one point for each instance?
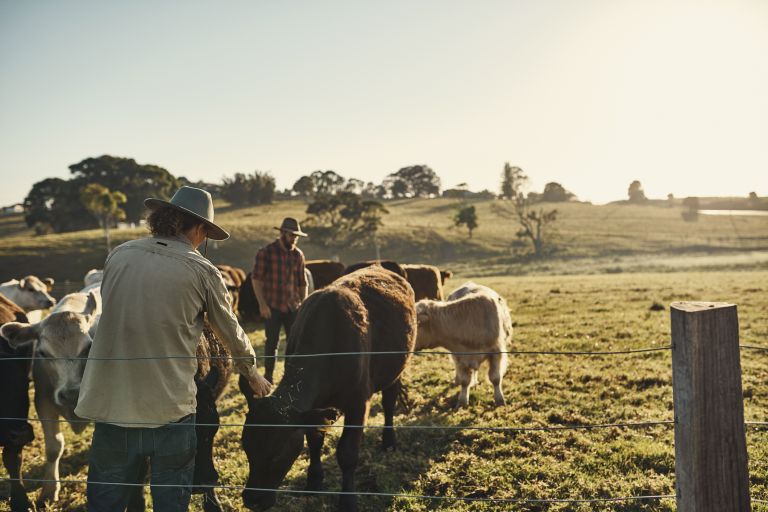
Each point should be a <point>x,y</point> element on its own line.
<point>195,202</point>
<point>291,225</point>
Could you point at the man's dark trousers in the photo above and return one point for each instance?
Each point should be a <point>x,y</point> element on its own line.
<point>272,330</point>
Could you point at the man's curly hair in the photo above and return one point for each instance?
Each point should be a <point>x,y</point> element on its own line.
<point>167,221</point>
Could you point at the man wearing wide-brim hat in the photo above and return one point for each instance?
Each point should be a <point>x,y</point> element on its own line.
<point>280,286</point>
<point>138,384</point>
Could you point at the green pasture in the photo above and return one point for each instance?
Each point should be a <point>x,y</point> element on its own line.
<point>587,239</point>
<point>601,312</point>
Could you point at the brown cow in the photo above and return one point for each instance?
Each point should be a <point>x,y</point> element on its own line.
<point>324,272</point>
<point>390,265</point>
<point>233,279</point>
<point>427,281</point>
<point>371,310</point>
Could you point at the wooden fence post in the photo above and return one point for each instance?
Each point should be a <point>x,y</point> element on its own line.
<point>710,444</point>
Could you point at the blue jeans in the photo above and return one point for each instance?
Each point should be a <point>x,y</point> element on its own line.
<point>119,454</point>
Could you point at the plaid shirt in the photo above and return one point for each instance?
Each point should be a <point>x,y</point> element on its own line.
<point>281,273</point>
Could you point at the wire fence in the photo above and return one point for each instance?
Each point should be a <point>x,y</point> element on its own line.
<point>468,499</point>
<point>757,425</point>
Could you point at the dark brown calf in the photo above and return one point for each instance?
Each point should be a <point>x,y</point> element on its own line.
<point>14,403</point>
<point>371,310</point>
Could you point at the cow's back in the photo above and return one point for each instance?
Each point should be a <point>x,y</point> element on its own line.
<point>371,310</point>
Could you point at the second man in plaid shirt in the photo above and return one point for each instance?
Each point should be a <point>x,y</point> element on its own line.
<point>280,286</point>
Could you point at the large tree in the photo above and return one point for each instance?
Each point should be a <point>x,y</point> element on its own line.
<point>413,181</point>
<point>54,204</point>
<point>248,189</point>
<point>104,204</point>
<point>136,181</point>
<point>555,193</point>
<point>344,218</point>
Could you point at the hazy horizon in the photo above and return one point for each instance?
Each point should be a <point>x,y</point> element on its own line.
<point>590,94</point>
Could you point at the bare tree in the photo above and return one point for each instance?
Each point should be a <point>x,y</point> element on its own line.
<point>534,223</point>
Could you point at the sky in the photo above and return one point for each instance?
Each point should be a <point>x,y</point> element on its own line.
<point>592,94</point>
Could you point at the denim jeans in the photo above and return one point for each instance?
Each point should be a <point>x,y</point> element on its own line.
<point>119,454</point>
<point>272,330</point>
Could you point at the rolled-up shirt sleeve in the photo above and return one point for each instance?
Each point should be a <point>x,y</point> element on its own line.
<point>225,324</point>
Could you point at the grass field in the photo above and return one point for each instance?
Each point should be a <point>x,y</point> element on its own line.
<point>594,293</point>
<point>588,239</point>
<point>551,313</point>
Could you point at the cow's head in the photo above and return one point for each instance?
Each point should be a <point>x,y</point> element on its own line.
<point>424,336</point>
<point>31,293</point>
<point>445,274</point>
<point>272,449</point>
<point>63,341</point>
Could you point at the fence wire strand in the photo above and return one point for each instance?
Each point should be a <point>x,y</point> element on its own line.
<point>384,353</point>
<point>638,424</point>
<point>367,493</point>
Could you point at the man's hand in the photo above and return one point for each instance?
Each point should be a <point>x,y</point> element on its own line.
<point>264,311</point>
<point>260,386</point>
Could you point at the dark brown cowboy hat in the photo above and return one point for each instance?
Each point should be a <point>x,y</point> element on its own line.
<point>291,225</point>
<point>195,202</point>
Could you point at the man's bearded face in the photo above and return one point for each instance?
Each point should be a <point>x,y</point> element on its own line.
<point>289,239</point>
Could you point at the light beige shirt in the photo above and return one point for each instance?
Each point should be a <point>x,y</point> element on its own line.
<point>154,293</point>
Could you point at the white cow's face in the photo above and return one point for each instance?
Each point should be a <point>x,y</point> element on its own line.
<point>63,342</point>
<point>64,337</point>
<point>30,293</point>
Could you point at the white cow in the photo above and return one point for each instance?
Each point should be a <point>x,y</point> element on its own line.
<point>29,293</point>
<point>64,336</point>
<point>473,319</point>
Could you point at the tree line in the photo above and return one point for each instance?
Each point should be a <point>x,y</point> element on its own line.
<point>341,211</point>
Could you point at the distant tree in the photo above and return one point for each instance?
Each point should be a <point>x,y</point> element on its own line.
<point>248,189</point>
<point>327,182</point>
<point>670,200</point>
<point>512,181</point>
<point>54,205</point>
<point>236,189</point>
<point>414,181</point>
<point>136,181</point>
<point>262,188</point>
<point>344,218</point>
<point>555,193</point>
<point>354,186</point>
<point>466,216</point>
<point>104,204</point>
<point>398,188</point>
<point>690,209</point>
<point>636,192</point>
<point>754,200</point>
<point>304,186</point>
<point>534,223</point>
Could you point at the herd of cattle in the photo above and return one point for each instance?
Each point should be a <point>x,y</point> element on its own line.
<point>363,309</point>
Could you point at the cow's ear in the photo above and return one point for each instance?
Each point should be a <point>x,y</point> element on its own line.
<point>325,417</point>
<point>18,334</point>
<point>91,306</point>
<point>49,283</point>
